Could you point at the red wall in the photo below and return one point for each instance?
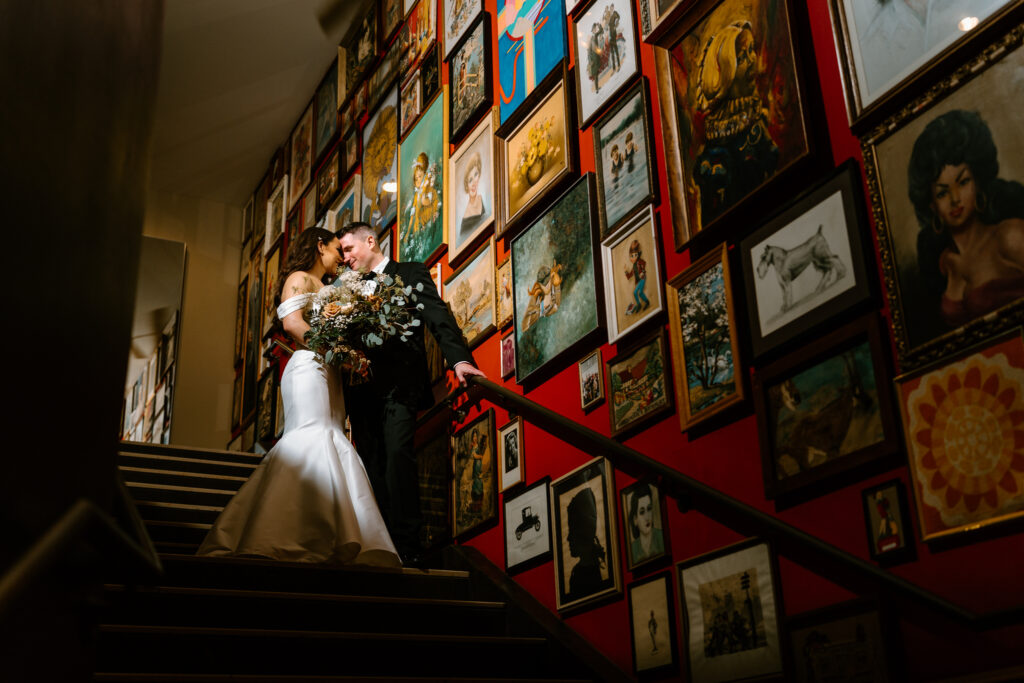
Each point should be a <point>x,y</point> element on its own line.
<point>981,576</point>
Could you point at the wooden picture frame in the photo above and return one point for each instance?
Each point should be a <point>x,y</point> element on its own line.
<point>475,482</point>
<point>644,525</point>
<point>309,208</point>
<point>826,414</point>
<point>358,51</point>
<point>518,68</point>
<point>527,530</point>
<point>271,277</point>
<point>745,574</point>
<point>391,14</point>
<point>627,123</point>
<point>507,353</point>
<point>598,81</point>
<point>471,284</point>
<point>966,120</point>
<point>583,519</point>
<point>887,522</point>
<point>387,72</point>
<point>266,410</point>
<point>503,292</point>
<point>511,454</point>
<point>639,385</point>
<point>236,402</point>
<point>261,195</point>
<point>300,146</point>
<point>470,86</point>
<point>652,625</point>
<point>243,291</point>
<point>328,181</point>
<point>591,373</point>
<point>418,34</point>
<point>411,103</point>
<point>345,209</point>
<point>422,179</point>
<point>629,258</point>
<point>248,215</point>
<point>878,72</point>
<point>656,16</point>
<point>380,164</point>
<point>545,337</point>
<point>527,176</point>
<point>325,113</point>
<point>823,229</point>
<point>963,486</point>
<point>852,636</point>
<point>352,151</point>
<point>458,16</point>
<point>275,215</point>
<point>706,359</point>
<point>471,185</point>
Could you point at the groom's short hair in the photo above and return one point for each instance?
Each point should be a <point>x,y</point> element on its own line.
<point>358,228</point>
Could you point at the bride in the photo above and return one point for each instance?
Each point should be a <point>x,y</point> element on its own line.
<point>310,499</point>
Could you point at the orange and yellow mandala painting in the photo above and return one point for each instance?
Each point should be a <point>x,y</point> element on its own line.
<point>965,439</point>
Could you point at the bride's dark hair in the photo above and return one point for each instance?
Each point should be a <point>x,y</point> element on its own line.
<point>302,255</point>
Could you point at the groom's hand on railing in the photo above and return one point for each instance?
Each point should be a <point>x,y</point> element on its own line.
<point>464,370</point>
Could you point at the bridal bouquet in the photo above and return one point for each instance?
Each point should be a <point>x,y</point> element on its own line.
<point>347,320</point>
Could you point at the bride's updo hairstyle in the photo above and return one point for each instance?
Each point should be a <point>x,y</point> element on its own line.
<point>302,254</point>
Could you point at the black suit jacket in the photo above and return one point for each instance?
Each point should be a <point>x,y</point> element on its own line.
<point>400,368</point>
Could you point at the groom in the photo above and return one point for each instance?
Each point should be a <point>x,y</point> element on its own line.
<point>383,410</point>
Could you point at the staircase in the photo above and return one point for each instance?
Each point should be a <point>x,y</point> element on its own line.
<point>228,619</point>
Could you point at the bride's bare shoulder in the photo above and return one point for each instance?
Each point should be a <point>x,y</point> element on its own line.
<point>299,282</point>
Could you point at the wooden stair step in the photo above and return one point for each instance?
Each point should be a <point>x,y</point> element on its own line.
<point>156,511</point>
<point>189,452</point>
<point>177,478</point>
<point>215,496</point>
<point>185,464</point>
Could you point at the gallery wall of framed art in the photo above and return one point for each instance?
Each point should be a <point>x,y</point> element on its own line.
<point>744,238</point>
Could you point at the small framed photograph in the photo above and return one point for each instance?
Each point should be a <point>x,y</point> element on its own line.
<point>503,297</point>
<point>607,57</point>
<point>886,516</point>
<point>728,590</point>
<point>652,625</point>
<point>807,266</point>
<point>705,348</point>
<point>469,292</point>
<point>351,150</point>
<point>847,641</point>
<point>475,482</point>
<point>412,103</point>
<point>508,355</point>
<point>471,190</point>
<point>631,261</point>
<point>346,208</point>
<point>275,216</point>
<point>430,74</point>
<point>359,102</point>
<point>961,428</point>
<point>469,79</point>
<point>300,146</point>
<point>348,116</point>
<point>458,17</point>
<point>511,454</point>
<point>624,161</point>
<point>591,381</point>
<point>328,182</point>
<point>826,413</point>
<point>586,547</point>
<point>528,527</point>
<point>644,524</point>
<point>639,386</point>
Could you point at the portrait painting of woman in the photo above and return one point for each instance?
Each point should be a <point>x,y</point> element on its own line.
<point>471,208</point>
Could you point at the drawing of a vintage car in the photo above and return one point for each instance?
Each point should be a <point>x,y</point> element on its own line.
<point>529,520</point>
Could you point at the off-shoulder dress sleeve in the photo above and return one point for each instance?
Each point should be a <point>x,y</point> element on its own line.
<point>292,304</point>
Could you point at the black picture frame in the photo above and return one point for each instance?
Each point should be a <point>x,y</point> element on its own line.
<point>325,115</point>
<point>430,72</point>
<point>653,596</point>
<point>527,526</point>
<point>458,128</point>
<point>474,518</point>
<point>580,15</point>
<point>890,532</point>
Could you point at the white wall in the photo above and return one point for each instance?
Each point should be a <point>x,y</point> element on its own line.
<point>204,377</point>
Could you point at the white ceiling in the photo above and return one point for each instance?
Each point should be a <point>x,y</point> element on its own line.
<point>235,76</point>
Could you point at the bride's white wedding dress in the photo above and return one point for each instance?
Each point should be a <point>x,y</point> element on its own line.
<point>310,499</point>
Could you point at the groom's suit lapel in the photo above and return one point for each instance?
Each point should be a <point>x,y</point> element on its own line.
<point>391,268</point>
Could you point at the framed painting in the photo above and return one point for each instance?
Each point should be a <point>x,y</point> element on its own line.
<point>359,101</point>
<point>469,79</point>
<point>644,521</point>
<point>469,293</point>
<point>346,208</point>
<point>732,145</point>
<point>555,292</point>
<point>389,69</point>
<point>639,386</point>
<point>422,177</point>
<point>325,111</point>
<point>236,402</point>
<point>243,291</point>
<point>348,116</point>
<point>253,334</point>
<point>962,484</point>
<point>508,355</point>
<point>511,454</point>
<point>632,276</point>
<point>247,222</point>
<point>249,437</point>
<point>705,346</point>
<point>538,156</point>
<point>380,164</point>
<point>430,74</point>
<point>591,381</point>
<point>359,50</point>
<point>458,17</point>
<point>350,148</point>
<point>848,641</point>
<point>623,160</point>
<point>732,588</point>
<point>826,413</point>
<point>419,33</point>
<point>656,16</point>
<point>471,189</point>
<point>528,527</point>
<point>386,247</point>
<point>586,547</point>
<point>300,146</point>
<point>433,458</point>
<point>265,412</point>
<point>391,14</point>
<point>607,57</point>
<point>887,520</point>
<point>309,209</point>
<point>328,182</point>
<point>270,283</point>
<point>503,294</point>
<point>275,216</point>
<point>532,42</point>
<point>652,625</point>
<point>475,482</point>
<point>886,48</point>
<point>942,175</point>
<point>411,102</point>
<point>807,265</point>
<point>262,194</point>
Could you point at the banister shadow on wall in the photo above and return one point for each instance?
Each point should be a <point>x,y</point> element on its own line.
<point>825,559</point>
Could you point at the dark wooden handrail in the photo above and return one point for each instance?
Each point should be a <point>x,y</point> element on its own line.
<point>825,559</point>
